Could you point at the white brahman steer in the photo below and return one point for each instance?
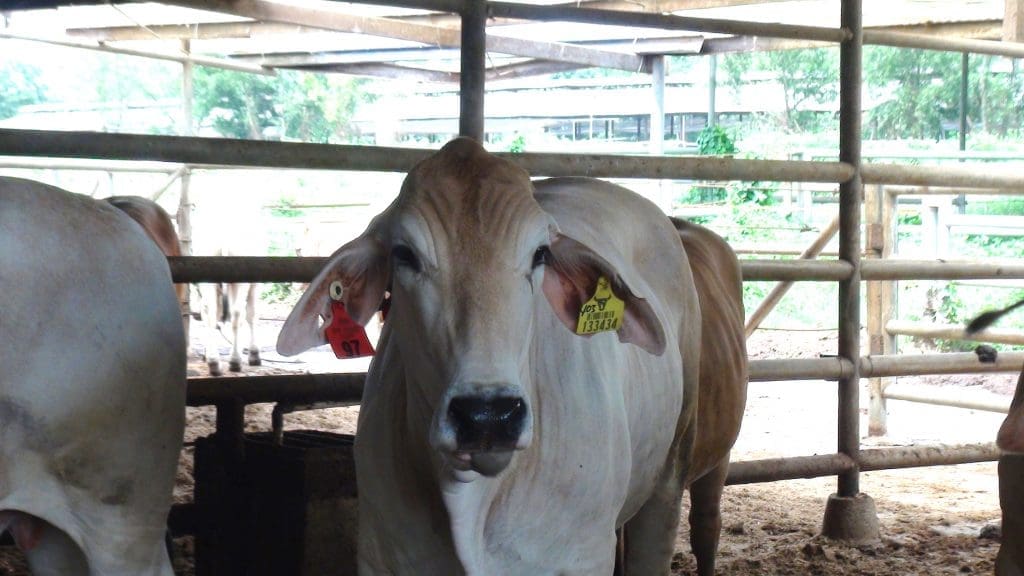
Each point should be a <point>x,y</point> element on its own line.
<point>222,303</point>
<point>92,385</point>
<point>501,432</point>
<point>1010,439</point>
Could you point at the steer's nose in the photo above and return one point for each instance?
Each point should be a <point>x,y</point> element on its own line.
<point>487,423</point>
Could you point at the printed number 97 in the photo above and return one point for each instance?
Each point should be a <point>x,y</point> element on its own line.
<point>351,347</point>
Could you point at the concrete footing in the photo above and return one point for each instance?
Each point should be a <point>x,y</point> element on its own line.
<point>851,519</point>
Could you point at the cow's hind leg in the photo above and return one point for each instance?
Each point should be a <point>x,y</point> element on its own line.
<point>650,535</point>
<point>250,318</point>
<point>56,554</point>
<point>706,517</point>
<point>234,292</point>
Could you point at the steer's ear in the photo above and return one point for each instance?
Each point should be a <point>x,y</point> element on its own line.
<point>360,270</point>
<point>570,279</point>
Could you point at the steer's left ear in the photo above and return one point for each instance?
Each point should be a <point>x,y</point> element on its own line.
<point>359,270</point>
<point>570,279</point>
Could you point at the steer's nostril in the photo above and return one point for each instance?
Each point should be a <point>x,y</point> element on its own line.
<point>483,423</point>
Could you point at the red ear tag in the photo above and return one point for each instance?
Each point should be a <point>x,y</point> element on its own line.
<point>347,338</point>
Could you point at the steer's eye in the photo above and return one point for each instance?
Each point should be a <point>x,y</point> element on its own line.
<point>404,256</point>
<point>542,256</point>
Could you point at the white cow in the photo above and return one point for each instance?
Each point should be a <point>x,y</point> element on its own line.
<point>92,385</point>
<point>223,303</point>
<point>492,440</point>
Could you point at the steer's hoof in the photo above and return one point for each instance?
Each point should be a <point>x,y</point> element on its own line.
<point>235,365</point>
<point>214,368</point>
<point>254,358</point>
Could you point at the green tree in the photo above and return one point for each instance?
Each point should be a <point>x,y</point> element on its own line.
<point>294,105</point>
<point>807,77</point>
<point>19,86</point>
<point>918,91</point>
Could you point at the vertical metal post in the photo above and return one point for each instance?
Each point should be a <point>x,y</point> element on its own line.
<point>712,89</point>
<point>849,515</point>
<point>474,67</point>
<point>657,140</point>
<point>850,200</point>
<point>961,200</point>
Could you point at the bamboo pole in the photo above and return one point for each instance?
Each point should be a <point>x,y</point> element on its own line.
<point>773,298</point>
<point>954,332</point>
<point>795,270</point>
<point>946,190</point>
<point>972,177</point>
<point>950,363</point>
<point>942,397</point>
<point>930,42</point>
<point>775,469</point>
<point>939,270</point>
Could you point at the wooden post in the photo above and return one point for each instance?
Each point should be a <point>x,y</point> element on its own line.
<point>184,214</point>
<point>879,212</point>
<point>1013,21</point>
<point>657,139</point>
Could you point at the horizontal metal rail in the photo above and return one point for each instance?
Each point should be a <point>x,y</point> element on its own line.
<point>215,152</point>
<point>991,177</point>
<point>347,388</point>
<point>290,388</point>
<point>775,469</point>
<point>894,269</point>
<point>303,269</point>
<point>953,332</point>
<point>943,397</point>
<point>884,365</point>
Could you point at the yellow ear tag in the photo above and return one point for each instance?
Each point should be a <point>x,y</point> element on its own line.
<point>603,312</point>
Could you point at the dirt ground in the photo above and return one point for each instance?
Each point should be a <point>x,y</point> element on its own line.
<point>934,521</point>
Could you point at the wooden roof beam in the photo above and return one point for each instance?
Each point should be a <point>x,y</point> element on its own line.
<point>193,31</point>
<point>494,74</point>
<point>382,70</point>
<point>336,20</point>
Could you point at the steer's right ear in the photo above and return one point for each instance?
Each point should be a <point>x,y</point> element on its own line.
<point>360,270</point>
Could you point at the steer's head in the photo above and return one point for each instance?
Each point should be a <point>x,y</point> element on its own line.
<point>469,257</point>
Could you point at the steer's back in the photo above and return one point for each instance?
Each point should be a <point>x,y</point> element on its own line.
<point>91,369</point>
<point>723,362</point>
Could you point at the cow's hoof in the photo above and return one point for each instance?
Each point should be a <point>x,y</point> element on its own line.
<point>254,359</point>
<point>235,365</point>
<point>214,368</point>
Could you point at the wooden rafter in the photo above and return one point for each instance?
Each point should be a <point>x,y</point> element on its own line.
<point>1013,21</point>
<point>336,20</point>
<point>381,70</point>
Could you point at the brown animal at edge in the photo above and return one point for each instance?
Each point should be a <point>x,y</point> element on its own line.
<point>157,224</point>
<point>1010,560</point>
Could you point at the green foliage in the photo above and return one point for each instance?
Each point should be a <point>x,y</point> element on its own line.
<point>909,218</point>
<point>19,86</point>
<point>518,144</point>
<point>715,141</point>
<point>306,107</point>
<point>807,77</point>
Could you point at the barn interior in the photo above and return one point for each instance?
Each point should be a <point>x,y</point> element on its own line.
<point>472,46</point>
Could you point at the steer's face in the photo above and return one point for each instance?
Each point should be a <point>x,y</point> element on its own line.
<point>469,256</point>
